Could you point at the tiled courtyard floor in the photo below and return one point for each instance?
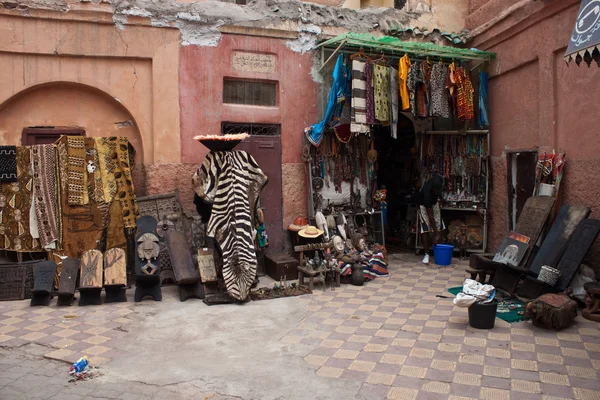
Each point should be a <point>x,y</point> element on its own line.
<point>391,338</point>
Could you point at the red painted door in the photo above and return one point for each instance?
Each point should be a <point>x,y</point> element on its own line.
<point>266,150</point>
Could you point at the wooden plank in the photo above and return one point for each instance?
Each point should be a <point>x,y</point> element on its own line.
<point>555,242</point>
<point>181,260</point>
<point>313,246</point>
<point>206,265</point>
<point>533,217</point>
<point>91,269</point>
<point>582,239</point>
<point>115,266</point>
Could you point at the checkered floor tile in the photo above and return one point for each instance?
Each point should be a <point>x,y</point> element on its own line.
<point>394,335</point>
<point>68,332</point>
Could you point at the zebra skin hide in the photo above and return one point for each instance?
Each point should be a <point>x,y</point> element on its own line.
<point>231,181</point>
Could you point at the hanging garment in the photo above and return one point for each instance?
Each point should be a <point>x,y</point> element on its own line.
<point>77,173</point>
<point>231,181</point>
<point>359,98</point>
<point>46,192</point>
<point>464,95</point>
<point>8,163</point>
<point>423,93</point>
<point>411,83</point>
<point>370,94</point>
<point>483,100</point>
<point>107,165</point>
<point>440,105</point>
<point>451,86</point>
<point>381,95</point>
<point>394,102</point>
<point>81,226</point>
<point>124,181</point>
<point>403,69</point>
<point>15,207</point>
<point>337,96</point>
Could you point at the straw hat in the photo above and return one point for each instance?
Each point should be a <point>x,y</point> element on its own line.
<point>299,224</point>
<point>310,232</point>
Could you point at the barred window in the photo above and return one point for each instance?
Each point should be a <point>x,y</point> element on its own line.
<point>255,93</point>
<point>229,128</point>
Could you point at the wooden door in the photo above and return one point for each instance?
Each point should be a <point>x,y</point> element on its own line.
<point>266,150</point>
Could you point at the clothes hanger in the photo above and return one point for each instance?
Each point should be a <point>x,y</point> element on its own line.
<point>359,54</point>
<point>381,60</point>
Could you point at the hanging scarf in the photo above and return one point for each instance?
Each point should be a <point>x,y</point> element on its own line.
<point>359,98</point>
<point>76,171</point>
<point>337,96</point>
<point>46,192</point>
<point>483,100</point>
<point>381,92</point>
<point>394,102</point>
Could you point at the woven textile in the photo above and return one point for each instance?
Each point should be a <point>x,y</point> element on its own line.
<point>381,85</point>
<point>359,98</point>
<point>46,193</point>
<point>15,205</point>
<point>76,171</point>
<point>440,104</point>
<point>394,100</point>
<point>370,93</point>
<point>125,189</point>
<point>107,167</point>
<point>8,163</point>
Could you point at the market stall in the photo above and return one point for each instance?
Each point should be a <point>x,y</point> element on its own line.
<point>397,112</point>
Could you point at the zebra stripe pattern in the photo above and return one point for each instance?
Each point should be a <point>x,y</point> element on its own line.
<point>232,181</point>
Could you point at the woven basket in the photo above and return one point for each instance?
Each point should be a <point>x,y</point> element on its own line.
<point>549,275</point>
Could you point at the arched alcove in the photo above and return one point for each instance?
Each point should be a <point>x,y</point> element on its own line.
<point>68,104</point>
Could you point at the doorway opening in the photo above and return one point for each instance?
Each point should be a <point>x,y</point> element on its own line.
<point>397,161</point>
<point>520,176</point>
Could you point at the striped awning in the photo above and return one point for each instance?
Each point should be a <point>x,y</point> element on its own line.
<point>585,39</point>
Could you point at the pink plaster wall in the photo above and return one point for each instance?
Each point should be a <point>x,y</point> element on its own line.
<point>537,100</point>
<point>202,70</point>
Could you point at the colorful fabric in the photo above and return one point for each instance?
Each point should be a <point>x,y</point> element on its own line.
<point>381,92</point>
<point>76,171</point>
<point>261,235</point>
<point>394,102</point>
<point>15,207</point>
<point>370,94</point>
<point>451,85</point>
<point>358,122</point>
<point>337,96</point>
<point>426,223</point>
<point>440,105</point>
<point>403,69</point>
<point>373,265</point>
<point>483,100</point>
<point>464,95</point>
<point>46,192</point>
<point>8,163</point>
<point>423,93</point>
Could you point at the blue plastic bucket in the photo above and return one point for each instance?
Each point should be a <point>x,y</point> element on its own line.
<point>443,254</point>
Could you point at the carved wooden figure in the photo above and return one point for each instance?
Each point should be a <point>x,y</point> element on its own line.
<point>115,275</point>
<point>90,285</point>
<point>43,281</point>
<point>67,281</point>
<point>147,263</point>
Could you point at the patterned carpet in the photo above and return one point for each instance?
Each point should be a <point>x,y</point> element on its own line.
<point>405,343</point>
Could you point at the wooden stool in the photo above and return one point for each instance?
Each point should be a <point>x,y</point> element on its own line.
<point>68,281</point>
<point>311,276</point>
<point>592,301</point>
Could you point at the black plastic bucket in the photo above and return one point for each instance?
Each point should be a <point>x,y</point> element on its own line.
<point>483,316</point>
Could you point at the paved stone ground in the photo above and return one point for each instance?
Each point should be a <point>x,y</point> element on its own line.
<point>392,338</point>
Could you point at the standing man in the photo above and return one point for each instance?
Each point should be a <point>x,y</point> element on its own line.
<point>429,213</point>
